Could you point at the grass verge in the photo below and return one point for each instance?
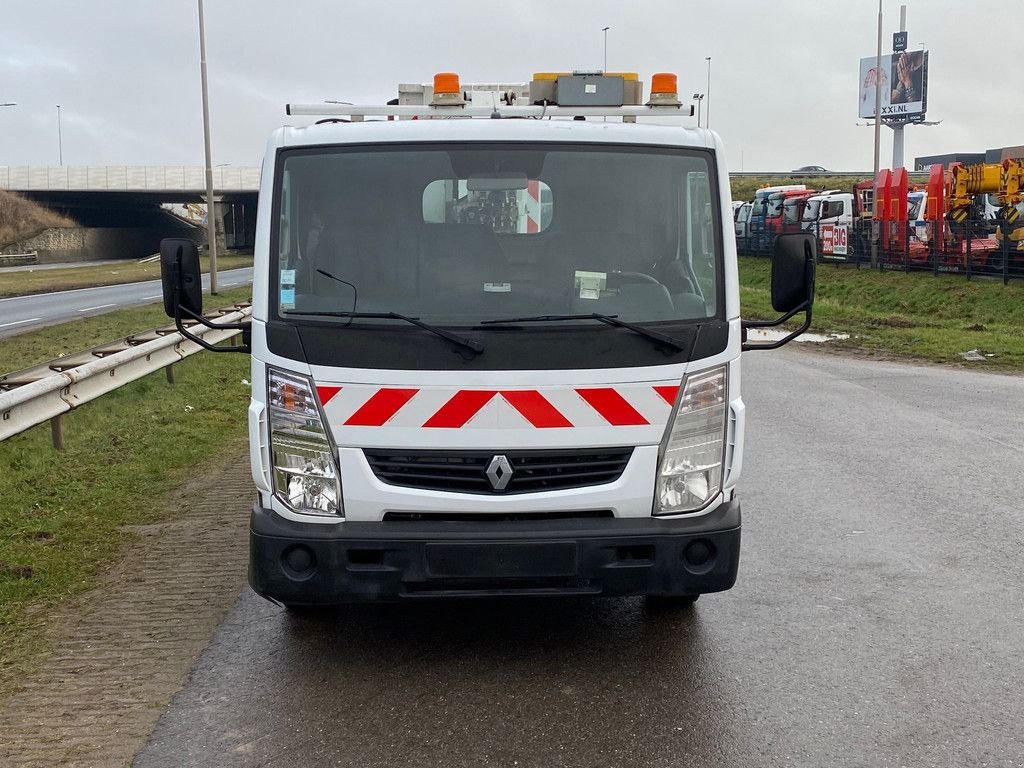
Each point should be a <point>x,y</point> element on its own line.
<point>906,315</point>
<point>27,282</point>
<point>63,516</point>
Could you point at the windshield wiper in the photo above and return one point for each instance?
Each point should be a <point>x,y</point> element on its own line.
<point>473,346</point>
<point>613,320</point>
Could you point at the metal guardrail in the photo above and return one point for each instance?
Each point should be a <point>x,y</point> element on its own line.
<point>46,392</point>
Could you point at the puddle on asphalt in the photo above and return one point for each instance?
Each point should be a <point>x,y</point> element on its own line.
<point>769,334</point>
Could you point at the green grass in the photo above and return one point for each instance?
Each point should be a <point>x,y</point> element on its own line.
<point>908,315</point>
<point>63,515</point>
<point>26,282</point>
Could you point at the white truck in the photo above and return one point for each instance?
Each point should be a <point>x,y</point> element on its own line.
<point>497,356</point>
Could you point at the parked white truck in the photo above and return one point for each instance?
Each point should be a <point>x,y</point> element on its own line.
<point>497,356</point>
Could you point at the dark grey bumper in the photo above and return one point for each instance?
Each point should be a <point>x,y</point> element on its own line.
<point>302,563</point>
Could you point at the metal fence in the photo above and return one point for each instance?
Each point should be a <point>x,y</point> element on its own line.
<point>973,248</point>
<point>47,391</point>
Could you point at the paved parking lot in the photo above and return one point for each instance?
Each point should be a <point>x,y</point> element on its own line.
<point>876,622</point>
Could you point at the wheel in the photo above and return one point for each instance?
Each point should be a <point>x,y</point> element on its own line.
<point>666,603</point>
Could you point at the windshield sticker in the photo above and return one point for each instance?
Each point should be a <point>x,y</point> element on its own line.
<point>497,287</point>
<point>288,298</point>
<point>287,277</point>
<point>590,284</point>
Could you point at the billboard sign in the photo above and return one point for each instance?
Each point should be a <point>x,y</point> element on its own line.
<point>903,79</point>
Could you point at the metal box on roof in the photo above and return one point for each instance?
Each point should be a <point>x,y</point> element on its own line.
<point>586,89</point>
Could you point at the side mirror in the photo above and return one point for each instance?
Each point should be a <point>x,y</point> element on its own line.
<point>793,272</point>
<point>792,287</point>
<point>180,275</point>
<point>183,295</point>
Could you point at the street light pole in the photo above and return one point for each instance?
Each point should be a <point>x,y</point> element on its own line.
<point>211,219</point>
<point>60,141</point>
<point>707,94</point>
<point>897,127</point>
<point>878,131</point>
<point>605,30</point>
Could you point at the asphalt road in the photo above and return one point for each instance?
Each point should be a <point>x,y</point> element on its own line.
<point>877,620</point>
<point>21,313</point>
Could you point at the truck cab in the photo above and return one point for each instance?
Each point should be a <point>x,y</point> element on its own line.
<point>793,209</point>
<point>742,224</point>
<point>758,229</point>
<point>832,207</point>
<point>778,219</point>
<point>497,356</point>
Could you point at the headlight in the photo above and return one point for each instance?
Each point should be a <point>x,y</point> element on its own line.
<point>690,475</point>
<point>305,474</point>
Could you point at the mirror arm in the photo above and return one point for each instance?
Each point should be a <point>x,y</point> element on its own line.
<point>780,321</point>
<point>245,328</point>
<point>748,347</point>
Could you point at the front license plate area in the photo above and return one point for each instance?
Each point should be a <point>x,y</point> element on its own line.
<point>467,560</point>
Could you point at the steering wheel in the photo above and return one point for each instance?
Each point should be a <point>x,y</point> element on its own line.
<point>635,277</point>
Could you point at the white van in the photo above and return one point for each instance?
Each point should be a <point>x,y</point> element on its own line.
<point>453,396</point>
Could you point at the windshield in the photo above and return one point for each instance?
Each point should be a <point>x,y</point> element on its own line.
<point>459,234</point>
<point>775,201</point>
<point>811,210</point>
<point>791,211</point>
<point>760,199</point>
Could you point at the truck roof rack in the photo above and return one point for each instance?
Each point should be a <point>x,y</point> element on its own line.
<point>356,112</point>
<point>576,95</point>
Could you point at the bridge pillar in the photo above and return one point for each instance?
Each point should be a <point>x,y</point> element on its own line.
<point>249,221</point>
<point>218,223</point>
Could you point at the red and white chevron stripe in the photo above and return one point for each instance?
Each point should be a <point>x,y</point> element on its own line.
<point>552,408</point>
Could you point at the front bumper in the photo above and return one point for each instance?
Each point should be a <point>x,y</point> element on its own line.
<point>309,564</point>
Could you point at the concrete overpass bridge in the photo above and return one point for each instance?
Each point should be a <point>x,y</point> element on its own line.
<point>119,207</point>
<point>176,183</point>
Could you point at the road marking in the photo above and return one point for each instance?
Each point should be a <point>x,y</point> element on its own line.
<point>98,306</point>
<point>18,322</point>
<point>101,287</point>
<point>157,296</point>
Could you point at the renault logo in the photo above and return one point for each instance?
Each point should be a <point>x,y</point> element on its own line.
<point>499,473</point>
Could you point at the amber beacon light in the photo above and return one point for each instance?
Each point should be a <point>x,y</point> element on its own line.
<point>447,89</point>
<point>664,90</point>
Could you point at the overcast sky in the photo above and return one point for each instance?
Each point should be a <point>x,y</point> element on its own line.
<point>784,74</point>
